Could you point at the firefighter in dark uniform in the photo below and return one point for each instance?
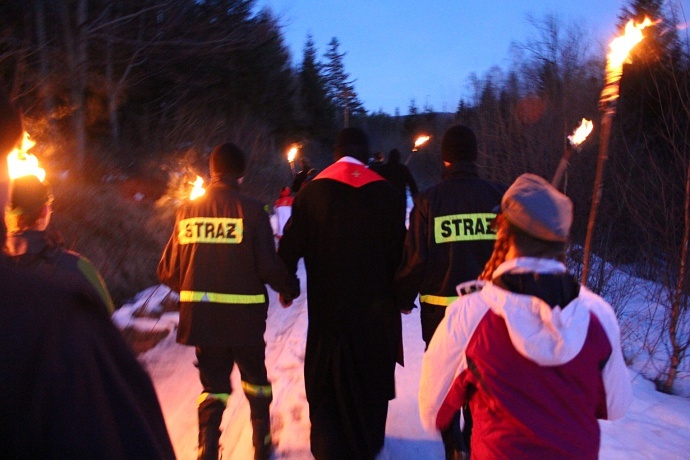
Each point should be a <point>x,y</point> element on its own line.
<point>449,240</point>
<point>219,258</point>
<point>349,225</point>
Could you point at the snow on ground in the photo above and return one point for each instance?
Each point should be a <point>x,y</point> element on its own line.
<point>656,426</point>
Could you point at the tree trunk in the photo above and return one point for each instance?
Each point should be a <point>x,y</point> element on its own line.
<point>678,304</point>
<point>76,49</point>
<point>46,86</point>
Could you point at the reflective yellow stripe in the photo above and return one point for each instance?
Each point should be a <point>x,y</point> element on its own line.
<point>222,397</point>
<point>257,390</point>
<point>217,297</point>
<point>437,300</point>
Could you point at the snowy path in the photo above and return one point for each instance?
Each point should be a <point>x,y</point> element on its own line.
<point>657,425</point>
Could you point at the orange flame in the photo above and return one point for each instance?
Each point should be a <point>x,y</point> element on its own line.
<point>292,153</point>
<point>581,133</point>
<point>620,48</point>
<point>421,140</point>
<point>20,163</point>
<point>197,188</point>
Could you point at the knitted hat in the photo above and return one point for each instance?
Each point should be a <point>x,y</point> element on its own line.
<point>394,156</point>
<point>459,144</point>
<point>27,194</point>
<point>536,207</point>
<point>227,159</point>
<point>352,142</point>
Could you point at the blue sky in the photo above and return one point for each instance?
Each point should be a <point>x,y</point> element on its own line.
<point>399,50</point>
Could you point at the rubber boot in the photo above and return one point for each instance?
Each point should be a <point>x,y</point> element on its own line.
<point>261,439</point>
<point>210,415</point>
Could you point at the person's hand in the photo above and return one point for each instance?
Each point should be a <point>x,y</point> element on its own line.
<point>405,312</point>
<point>284,302</point>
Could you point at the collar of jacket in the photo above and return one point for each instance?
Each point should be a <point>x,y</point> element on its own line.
<point>349,171</point>
<point>461,169</point>
<point>26,242</point>
<point>229,181</point>
<point>530,265</point>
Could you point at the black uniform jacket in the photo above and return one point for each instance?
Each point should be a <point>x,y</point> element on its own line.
<point>349,225</point>
<point>450,239</point>
<point>70,387</point>
<point>219,258</point>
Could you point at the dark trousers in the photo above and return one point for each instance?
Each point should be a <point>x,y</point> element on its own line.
<point>215,365</point>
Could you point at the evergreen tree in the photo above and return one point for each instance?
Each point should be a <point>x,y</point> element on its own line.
<point>319,112</point>
<point>341,90</point>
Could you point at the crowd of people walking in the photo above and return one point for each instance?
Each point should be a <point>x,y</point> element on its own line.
<point>520,361</point>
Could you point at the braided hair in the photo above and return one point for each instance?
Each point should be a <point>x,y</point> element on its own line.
<point>501,247</point>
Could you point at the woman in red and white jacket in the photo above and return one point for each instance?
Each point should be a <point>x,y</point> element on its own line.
<point>537,356</point>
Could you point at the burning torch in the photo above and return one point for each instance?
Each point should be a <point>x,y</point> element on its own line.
<point>21,163</point>
<point>620,47</point>
<point>575,140</point>
<point>291,154</point>
<point>420,141</point>
<point>197,188</point>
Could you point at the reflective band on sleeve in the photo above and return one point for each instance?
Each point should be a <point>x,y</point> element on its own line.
<point>217,297</point>
<point>214,230</point>
<point>437,300</point>
<point>264,391</point>
<point>222,397</point>
<point>464,227</point>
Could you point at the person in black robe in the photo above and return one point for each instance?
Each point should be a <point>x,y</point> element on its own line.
<point>349,225</point>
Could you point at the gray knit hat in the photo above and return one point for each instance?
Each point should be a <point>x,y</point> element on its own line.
<point>536,207</point>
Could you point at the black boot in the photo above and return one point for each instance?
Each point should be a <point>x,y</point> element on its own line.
<point>261,438</point>
<point>210,415</point>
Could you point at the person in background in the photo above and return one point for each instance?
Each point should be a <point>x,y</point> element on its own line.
<point>301,175</point>
<point>376,162</point>
<point>282,209</point>
<point>398,174</point>
<point>219,258</point>
<point>70,386</point>
<point>449,241</point>
<point>348,224</point>
<point>29,244</point>
<point>537,356</point>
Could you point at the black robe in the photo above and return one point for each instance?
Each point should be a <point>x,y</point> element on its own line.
<point>349,225</point>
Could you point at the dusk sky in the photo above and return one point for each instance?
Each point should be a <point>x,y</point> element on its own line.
<point>399,50</point>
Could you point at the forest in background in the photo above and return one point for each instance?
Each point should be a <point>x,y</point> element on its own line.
<point>126,98</point>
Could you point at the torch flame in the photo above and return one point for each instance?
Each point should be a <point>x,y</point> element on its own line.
<point>581,133</point>
<point>421,140</point>
<point>620,47</point>
<point>292,153</point>
<point>197,188</point>
<point>20,163</point>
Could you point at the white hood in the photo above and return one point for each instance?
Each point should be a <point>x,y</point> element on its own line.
<point>545,335</point>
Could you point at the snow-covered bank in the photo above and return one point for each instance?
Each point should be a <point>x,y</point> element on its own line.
<point>656,426</point>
